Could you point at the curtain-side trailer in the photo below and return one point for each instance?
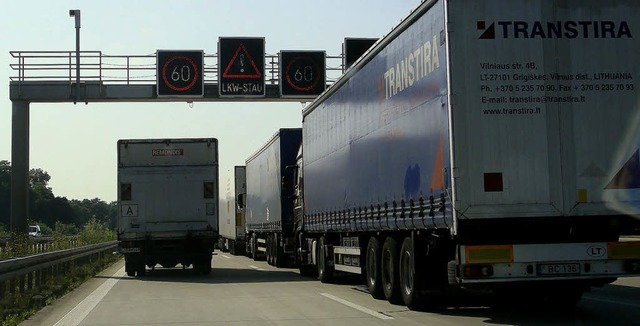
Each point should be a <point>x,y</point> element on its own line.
<point>269,210</point>
<point>489,144</point>
<point>168,200</point>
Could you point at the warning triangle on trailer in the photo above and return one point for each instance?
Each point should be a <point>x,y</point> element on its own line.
<point>242,65</point>
<point>629,175</point>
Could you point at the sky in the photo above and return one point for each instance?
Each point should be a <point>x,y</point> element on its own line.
<point>76,144</point>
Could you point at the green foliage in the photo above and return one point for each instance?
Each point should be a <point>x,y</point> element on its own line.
<point>95,231</point>
<point>61,230</point>
<point>4,231</point>
<point>38,176</point>
<point>17,245</point>
<point>5,191</point>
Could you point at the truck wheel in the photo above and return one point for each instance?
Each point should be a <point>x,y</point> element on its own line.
<point>267,252</point>
<point>372,268</point>
<point>271,249</point>
<point>390,281</point>
<point>278,253</point>
<point>204,268</point>
<point>247,246</point>
<point>129,268</point>
<point>232,247</point>
<point>325,272</point>
<point>408,282</point>
<point>254,247</point>
<point>142,269</point>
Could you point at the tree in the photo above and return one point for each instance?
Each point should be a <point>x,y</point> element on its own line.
<point>5,192</point>
<point>37,176</point>
<point>51,210</point>
<point>98,209</point>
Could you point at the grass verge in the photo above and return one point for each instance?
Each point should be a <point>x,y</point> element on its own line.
<point>15,308</point>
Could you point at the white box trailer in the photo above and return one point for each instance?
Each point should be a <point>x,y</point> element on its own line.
<point>168,200</point>
<point>232,226</point>
<point>489,144</point>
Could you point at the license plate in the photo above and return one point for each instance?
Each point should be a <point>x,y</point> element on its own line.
<point>558,269</point>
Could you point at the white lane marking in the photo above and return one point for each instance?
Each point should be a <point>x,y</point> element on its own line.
<point>225,256</point>
<point>611,301</point>
<point>355,306</point>
<point>80,312</point>
<point>256,268</point>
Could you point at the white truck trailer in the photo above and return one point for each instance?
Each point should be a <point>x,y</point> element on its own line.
<point>489,144</point>
<point>168,200</point>
<point>232,233</point>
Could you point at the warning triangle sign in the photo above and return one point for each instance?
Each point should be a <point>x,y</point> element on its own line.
<point>242,65</point>
<point>629,175</point>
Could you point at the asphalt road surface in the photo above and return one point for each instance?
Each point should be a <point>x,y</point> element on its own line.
<point>240,291</point>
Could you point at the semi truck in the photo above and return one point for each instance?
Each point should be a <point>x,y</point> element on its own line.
<point>269,211</point>
<point>488,145</point>
<point>232,220</point>
<point>168,201</point>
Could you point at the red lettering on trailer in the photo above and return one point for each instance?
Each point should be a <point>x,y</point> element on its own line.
<point>167,152</point>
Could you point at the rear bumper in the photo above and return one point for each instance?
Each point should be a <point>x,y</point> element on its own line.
<point>600,262</point>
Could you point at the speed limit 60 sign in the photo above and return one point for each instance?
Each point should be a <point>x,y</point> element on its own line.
<point>302,73</point>
<point>180,73</point>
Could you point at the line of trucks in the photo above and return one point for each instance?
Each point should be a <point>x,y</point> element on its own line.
<point>484,145</point>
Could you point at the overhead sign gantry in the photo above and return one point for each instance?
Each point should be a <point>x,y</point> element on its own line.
<point>180,75</point>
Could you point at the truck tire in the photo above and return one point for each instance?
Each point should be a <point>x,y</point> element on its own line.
<point>271,249</point>
<point>278,252</point>
<point>203,267</point>
<point>409,284</point>
<point>268,251</point>
<point>254,247</point>
<point>232,247</point>
<point>129,267</point>
<point>325,272</point>
<point>390,274</point>
<point>142,269</point>
<point>247,246</point>
<point>372,268</point>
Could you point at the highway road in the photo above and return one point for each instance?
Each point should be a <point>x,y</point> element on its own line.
<point>241,291</point>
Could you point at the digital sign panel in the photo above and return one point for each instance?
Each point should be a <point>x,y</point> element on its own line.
<point>354,48</point>
<point>179,73</point>
<point>241,67</point>
<point>302,73</point>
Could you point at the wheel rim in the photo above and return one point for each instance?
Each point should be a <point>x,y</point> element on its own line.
<point>405,272</point>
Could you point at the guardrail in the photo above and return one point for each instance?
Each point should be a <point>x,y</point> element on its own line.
<point>37,245</point>
<point>96,66</point>
<point>25,273</point>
